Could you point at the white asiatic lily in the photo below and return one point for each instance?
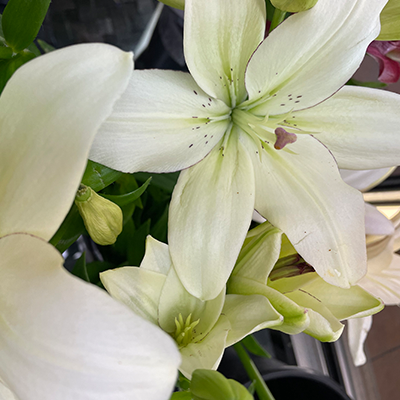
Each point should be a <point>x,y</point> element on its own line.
<point>307,303</point>
<point>60,337</point>
<point>201,329</point>
<point>260,124</point>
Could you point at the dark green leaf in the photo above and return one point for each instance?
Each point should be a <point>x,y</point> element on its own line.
<point>47,48</point>
<point>124,241</point>
<point>160,229</point>
<point>1,29</point>
<point>22,20</point>
<point>94,268</point>
<point>33,49</point>
<point>5,52</point>
<point>98,176</point>
<point>137,247</point>
<point>253,346</point>
<point>8,67</point>
<point>79,269</point>
<point>127,198</point>
<point>183,382</point>
<point>165,182</point>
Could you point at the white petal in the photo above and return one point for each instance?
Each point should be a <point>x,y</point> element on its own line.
<point>248,314</point>
<point>209,216</point>
<point>357,331</point>
<point>5,393</point>
<point>217,49</point>
<point>359,126</point>
<point>206,354</point>
<point>376,223</point>
<point>160,124</point>
<point>311,54</point>
<point>156,257</point>
<point>175,300</point>
<point>365,180</point>
<point>300,191</point>
<point>50,111</point>
<point>69,339</point>
<point>138,288</point>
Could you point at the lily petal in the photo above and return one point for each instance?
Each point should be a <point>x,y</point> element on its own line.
<point>69,339</point>
<point>376,223</point>
<point>138,288</point>
<point>217,49</point>
<point>248,314</point>
<point>160,124</point>
<point>358,125</point>
<point>357,331</point>
<point>209,215</point>
<point>300,191</point>
<point>206,354</point>
<point>156,258</point>
<point>50,111</point>
<point>175,300</point>
<point>317,51</point>
<point>365,180</point>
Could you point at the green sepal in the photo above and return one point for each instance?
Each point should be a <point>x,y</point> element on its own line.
<point>98,176</point>
<point>254,347</point>
<point>22,20</point>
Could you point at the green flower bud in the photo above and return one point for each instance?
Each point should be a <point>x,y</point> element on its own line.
<point>179,4</point>
<point>293,5</point>
<point>212,385</point>
<point>102,218</point>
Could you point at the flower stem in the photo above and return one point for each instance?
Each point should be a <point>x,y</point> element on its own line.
<point>254,374</point>
<point>277,18</point>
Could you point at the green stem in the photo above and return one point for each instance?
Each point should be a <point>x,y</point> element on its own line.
<point>254,374</point>
<point>277,18</point>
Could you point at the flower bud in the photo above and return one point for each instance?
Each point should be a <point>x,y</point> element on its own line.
<point>102,218</point>
<point>293,5</point>
<point>212,385</point>
<point>179,4</point>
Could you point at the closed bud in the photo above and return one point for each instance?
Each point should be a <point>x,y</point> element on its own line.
<point>179,4</point>
<point>294,6</point>
<point>102,218</point>
<point>212,385</point>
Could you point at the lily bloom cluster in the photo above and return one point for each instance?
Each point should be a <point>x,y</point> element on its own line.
<point>257,124</point>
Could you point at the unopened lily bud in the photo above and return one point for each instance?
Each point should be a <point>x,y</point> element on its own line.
<point>179,4</point>
<point>212,385</point>
<point>294,6</point>
<point>102,218</point>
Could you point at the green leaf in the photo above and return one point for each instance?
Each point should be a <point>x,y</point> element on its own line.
<point>137,246</point>
<point>33,49</point>
<point>79,269</point>
<point>127,198</point>
<point>5,52</point>
<point>1,29</point>
<point>253,346</point>
<point>160,229</point>
<point>22,20</point>
<point>181,396</point>
<point>8,67</point>
<point>98,176</point>
<point>375,85</point>
<point>47,48</point>
<point>165,182</point>
<point>94,268</point>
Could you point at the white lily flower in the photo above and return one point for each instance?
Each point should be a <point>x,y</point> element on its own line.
<point>201,329</point>
<point>250,129</point>
<point>307,303</point>
<point>60,337</point>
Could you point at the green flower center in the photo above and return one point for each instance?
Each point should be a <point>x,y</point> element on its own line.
<point>184,330</point>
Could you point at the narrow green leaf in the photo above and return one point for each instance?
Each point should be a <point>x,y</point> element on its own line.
<point>79,269</point>
<point>98,176</point>
<point>22,20</point>
<point>253,346</point>
<point>94,268</point>
<point>1,29</point>
<point>137,247</point>
<point>375,85</point>
<point>160,228</point>
<point>127,198</point>
<point>33,49</point>
<point>47,48</point>
<point>165,182</point>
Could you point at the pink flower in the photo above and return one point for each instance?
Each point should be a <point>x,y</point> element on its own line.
<point>388,56</point>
